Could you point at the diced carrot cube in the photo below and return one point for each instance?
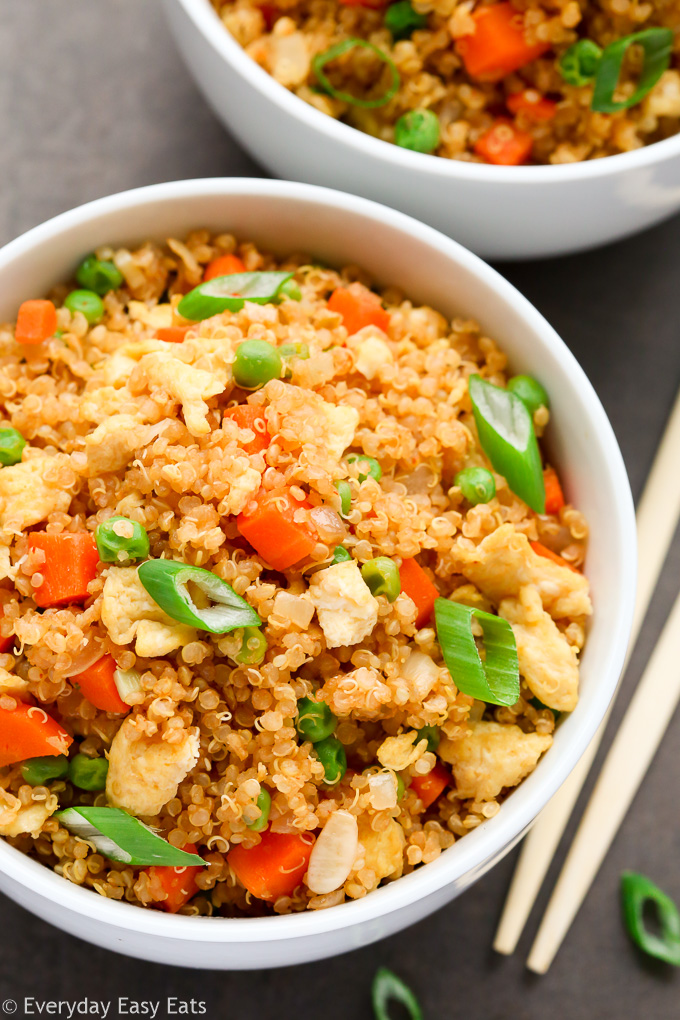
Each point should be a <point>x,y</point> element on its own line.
<point>274,533</point>
<point>71,561</point>
<point>36,322</point>
<point>504,144</point>
<point>358,307</point>
<point>419,588</point>
<point>275,867</point>
<point>498,44</point>
<point>248,417</point>
<point>225,265</point>
<point>431,786</point>
<point>98,685</point>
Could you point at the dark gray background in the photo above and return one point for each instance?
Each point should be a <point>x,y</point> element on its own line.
<point>93,100</point>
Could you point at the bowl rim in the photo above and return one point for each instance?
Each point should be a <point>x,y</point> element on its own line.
<point>206,20</point>
<point>481,847</point>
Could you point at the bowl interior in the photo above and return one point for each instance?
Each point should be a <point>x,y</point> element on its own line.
<point>432,269</point>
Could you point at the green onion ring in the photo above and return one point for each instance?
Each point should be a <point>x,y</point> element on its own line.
<point>496,680</point>
<point>657,44</point>
<point>167,582</point>
<point>321,59</point>
<point>386,985</point>
<point>636,890</point>
<point>230,293</point>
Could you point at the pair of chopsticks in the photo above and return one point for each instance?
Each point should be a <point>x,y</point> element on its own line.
<point>632,750</point>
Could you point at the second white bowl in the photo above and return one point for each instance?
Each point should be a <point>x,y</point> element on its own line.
<point>498,212</point>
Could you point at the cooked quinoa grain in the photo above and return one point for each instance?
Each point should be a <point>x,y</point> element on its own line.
<point>138,417</point>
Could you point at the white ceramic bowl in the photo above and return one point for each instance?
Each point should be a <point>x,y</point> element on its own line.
<point>430,268</point>
<point>499,212</point>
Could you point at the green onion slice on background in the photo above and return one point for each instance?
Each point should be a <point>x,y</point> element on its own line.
<point>636,891</point>
<point>321,59</point>
<point>657,44</point>
<point>578,65</point>
<point>167,582</point>
<point>229,293</point>
<point>496,680</point>
<point>507,435</point>
<point>387,986</point>
<point>120,837</point>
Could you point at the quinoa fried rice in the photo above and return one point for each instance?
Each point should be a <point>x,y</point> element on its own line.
<point>553,122</point>
<point>120,423</point>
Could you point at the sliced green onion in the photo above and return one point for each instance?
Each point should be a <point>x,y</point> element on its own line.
<point>38,771</point>
<point>529,391</point>
<point>321,59</point>
<point>88,773</point>
<point>477,485</point>
<point>657,44</point>
<point>496,680</point>
<point>345,494</point>
<point>578,65</point>
<point>315,721</point>
<point>167,582</point>
<point>331,754</point>
<point>382,577</point>
<point>120,540</point>
<point>432,735</point>
<point>253,647</point>
<point>417,130</point>
<point>387,986</point>
<point>401,19</point>
<point>401,786</point>
<point>636,891</point>
<point>370,465</point>
<point>11,446</point>
<point>506,432</point>
<point>264,802</point>
<point>341,555</point>
<point>229,293</point>
<point>127,681</point>
<point>121,837</point>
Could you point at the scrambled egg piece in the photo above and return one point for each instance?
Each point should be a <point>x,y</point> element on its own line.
<point>397,753</point>
<point>26,497</point>
<point>111,446</point>
<point>128,611</point>
<point>189,386</point>
<point>547,661</point>
<point>17,818</point>
<point>490,757</point>
<point>324,429</point>
<point>372,353</point>
<point>384,850</point>
<point>341,425</point>
<point>12,685</point>
<point>156,317</point>
<point>504,562</point>
<point>144,772</point>
<point>360,693</point>
<point>346,609</point>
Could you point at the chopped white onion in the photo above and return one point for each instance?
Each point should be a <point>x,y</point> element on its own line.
<point>383,789</point>
<point>89,652</point>
<point>333,853</point>
<point>127,681</point>
<point>421,672</point>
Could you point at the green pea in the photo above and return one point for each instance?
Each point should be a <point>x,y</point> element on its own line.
<point>369,464</point>
<point>86,302</point>
<point>291,290</point>
<point>345,494</point>
<point>402,20</point>
<point>256,363</point>
<point>88,773</point>
<point>38,771</point>
<point>115,545</point>
<point>11,446</point>
<point>417,130</point>
<point>253,647</point>
<point>529,391</point>
<point>382,577</point>
<point>315,721</point>
<point>331,754</point>
<point>264,802</point>
<point>401,787</point>
<point>477,485</point>
<point>98,275</point>
<point>578,65</point>
<point>432,735</point>
<point>341,555</point>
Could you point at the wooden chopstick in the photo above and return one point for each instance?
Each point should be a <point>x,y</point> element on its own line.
<point>657,517</point>
<point>635,744</point>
